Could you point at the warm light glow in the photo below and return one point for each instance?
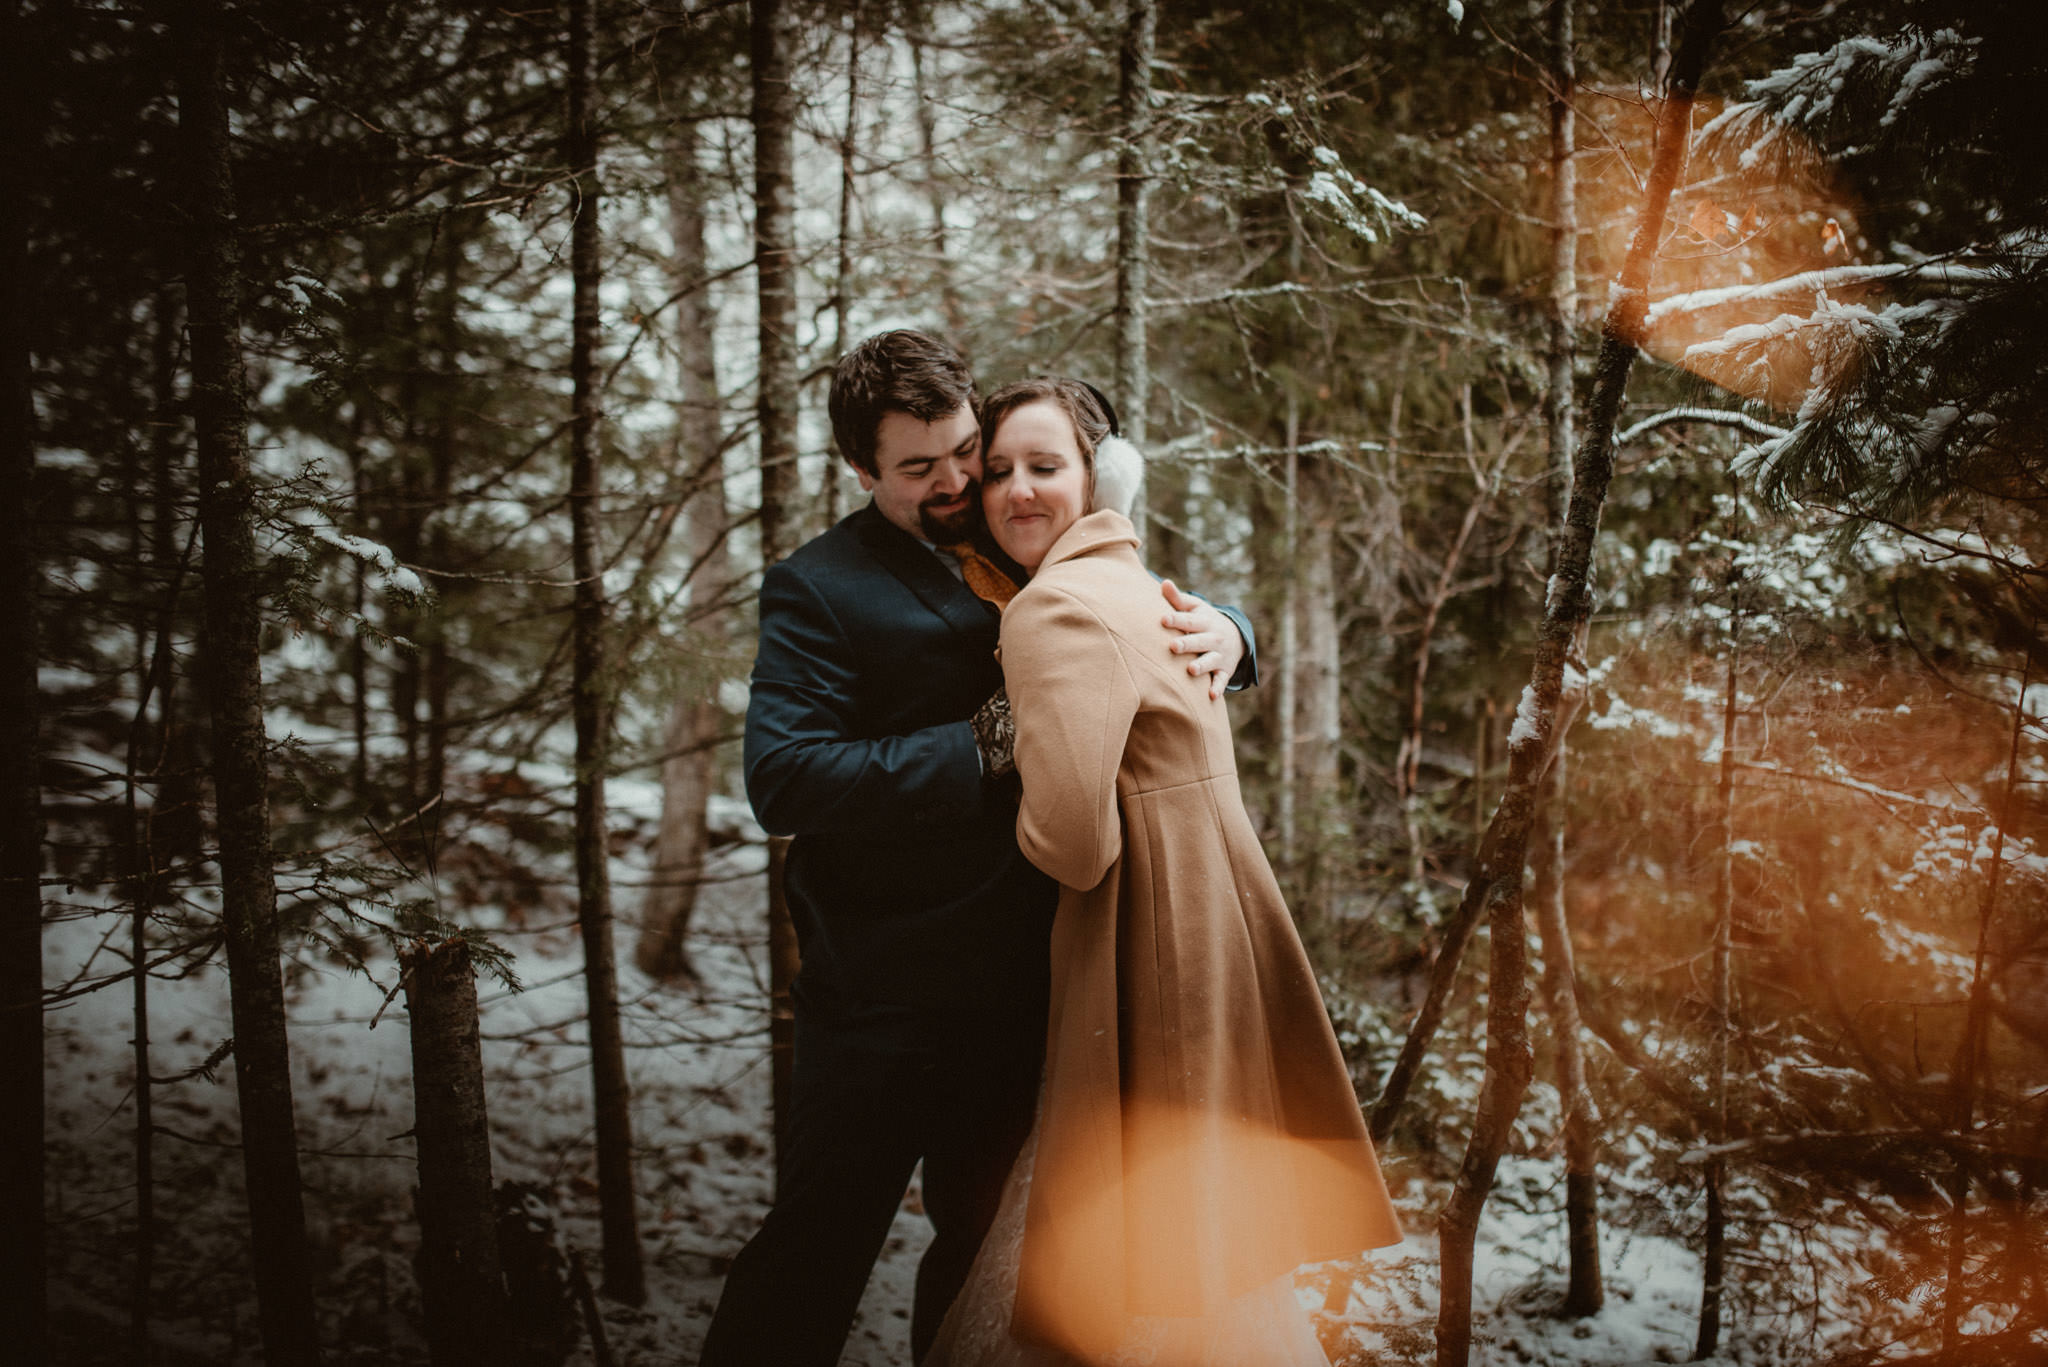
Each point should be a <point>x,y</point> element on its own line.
<point>1734,284</point>
<point>1184,1244</point>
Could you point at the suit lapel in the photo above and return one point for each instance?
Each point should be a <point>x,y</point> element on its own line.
<point>904,556</point>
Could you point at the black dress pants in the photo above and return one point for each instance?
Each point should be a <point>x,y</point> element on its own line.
<point>872,1092</point>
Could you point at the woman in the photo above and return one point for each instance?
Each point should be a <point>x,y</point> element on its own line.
<point>1197,1136</point>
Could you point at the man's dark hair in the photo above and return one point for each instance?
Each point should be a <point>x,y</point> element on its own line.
<point>904,371</point>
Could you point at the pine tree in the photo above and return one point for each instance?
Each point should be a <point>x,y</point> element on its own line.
<point>624,1273</point>
<point>696,719</point>
<point>1584,1293</point>
<point>1503,855</point>
<point>1935,393</point>
<point>234,687</point>
<point>24,1299</point>
<point>774,119</point>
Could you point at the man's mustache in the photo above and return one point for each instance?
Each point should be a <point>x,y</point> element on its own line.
<point>971,493</point>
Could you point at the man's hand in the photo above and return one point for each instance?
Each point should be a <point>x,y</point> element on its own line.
<point>1207,635</point>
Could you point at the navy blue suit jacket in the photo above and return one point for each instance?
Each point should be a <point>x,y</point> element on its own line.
<point>905,881</point>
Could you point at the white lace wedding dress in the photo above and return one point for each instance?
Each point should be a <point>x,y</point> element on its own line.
<point>1266,1327</point>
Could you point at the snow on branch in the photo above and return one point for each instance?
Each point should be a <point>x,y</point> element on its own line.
<point>1756,427</point>
<point>1355,289</point>
<point>374,555</point>
<point>1808,283</point>
<point>1870,790</point>
<point>1843,90</point>
<point>1831,1142</point>
<point>1943,544</point>
<point>1353,203</point>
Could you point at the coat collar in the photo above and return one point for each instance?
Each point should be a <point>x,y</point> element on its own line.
<point>904,556</point>
<point>1102,530</point>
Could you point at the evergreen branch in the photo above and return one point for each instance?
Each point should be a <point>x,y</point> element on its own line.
<point>1950,550</point>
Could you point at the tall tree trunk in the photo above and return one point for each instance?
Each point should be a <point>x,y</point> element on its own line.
<point>358,646</point>
<point>935,195</point>
<point>774,116</point>
<point>1715,1260</point>
<point>233,582</point>
<point>23,1298</point>
<point>142,1279</point>
<point>1969,1055</point>
<point>1585,1292</point>
<point>689,767</point>
<point>842,278</point>
<point>1319,694</point>
<point>1497,882</point>
<point>1290,641</point>
<point>400,527</point>
<point>156,552</point>
<point>624,1277</point>
<point>461,1288</point>
<point>440,484</point>
<point>1133,189</point>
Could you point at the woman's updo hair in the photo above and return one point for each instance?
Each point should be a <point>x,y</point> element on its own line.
<point>1107,487</point>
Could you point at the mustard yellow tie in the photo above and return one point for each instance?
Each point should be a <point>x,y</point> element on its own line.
<point>984,576</point>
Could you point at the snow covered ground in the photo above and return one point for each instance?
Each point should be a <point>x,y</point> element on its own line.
<point>701,1125</point>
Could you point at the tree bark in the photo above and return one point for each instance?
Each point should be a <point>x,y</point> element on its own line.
<point>1714,1262</point>
<point>142,1278</point>
<point>1290,643</point>
<point>624,1276</point>
<point>23,1297</point>
<point>842,279</point>
<point>1585,1292</point>
<point>1503,856</point>
<point>156,552</point>
<point>1133,190</point>
<point>461,1287</point>
<point>1319,823</point>
<point>447,436</point>
<point>358,646</point>
<point>689,766</point>
<point>774,116</point>
<point>935,196</point>
<point>233,586</point>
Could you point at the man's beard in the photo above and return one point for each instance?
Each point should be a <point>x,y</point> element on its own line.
<point>950,529</point>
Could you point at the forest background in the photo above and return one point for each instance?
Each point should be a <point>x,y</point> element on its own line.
<point>1618,417</point>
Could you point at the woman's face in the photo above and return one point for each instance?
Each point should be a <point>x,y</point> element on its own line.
<point>1033,482</point>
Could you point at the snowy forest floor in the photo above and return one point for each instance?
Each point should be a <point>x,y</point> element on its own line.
<point>700,1077</point>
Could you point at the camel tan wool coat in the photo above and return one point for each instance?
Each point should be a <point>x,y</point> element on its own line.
<point>1198,1135</point>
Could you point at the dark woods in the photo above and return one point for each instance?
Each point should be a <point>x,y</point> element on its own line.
<point>1619,420</point>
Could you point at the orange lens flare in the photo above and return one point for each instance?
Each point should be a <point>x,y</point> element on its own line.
<point>1188,1243</point>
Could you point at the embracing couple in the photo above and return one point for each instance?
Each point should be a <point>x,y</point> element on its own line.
<point>1042,949</point>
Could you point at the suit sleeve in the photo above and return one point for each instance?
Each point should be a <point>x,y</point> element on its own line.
<point>1073,701</point>
<point>807,768</point>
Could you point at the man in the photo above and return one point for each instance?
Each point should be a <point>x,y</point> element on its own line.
<point>876,735</point>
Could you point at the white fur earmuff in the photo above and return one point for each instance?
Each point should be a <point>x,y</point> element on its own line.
<point>1119,474</point>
